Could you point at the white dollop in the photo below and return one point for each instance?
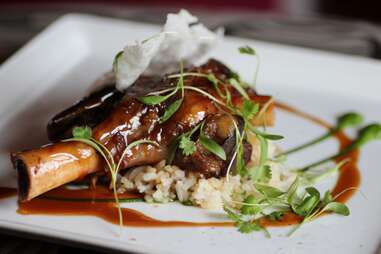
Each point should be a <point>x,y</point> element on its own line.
<point>181,39</point>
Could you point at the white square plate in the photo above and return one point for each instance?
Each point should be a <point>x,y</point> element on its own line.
<point>56,68</point>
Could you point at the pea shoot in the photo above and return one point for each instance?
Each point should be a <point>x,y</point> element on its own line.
<point>348,120</point>
<point>247,50</point>
<point>365,135</point>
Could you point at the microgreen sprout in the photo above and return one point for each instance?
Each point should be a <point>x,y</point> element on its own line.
<point>262,172</point>
<point>157,99</point>
<point>275,216</point>
<point>250,51</point>
<point>365,135</point>
<point>310,178</point>
<point>186,144</point>
<point>211,145</point>
<point>312,206</point>
<point>243,224</point>
<point>368,133</point>
<point>348,120</point>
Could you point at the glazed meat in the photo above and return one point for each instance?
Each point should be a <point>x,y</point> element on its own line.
<point>220,128</point>
<point>133,120</point>
<point>119,118</point>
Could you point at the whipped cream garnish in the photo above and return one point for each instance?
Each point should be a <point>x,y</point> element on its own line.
<point>181,39</point>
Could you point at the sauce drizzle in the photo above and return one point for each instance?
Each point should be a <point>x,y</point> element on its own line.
<point>63,201</point>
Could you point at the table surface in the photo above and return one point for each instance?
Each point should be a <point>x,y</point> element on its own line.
<point>18,24</point>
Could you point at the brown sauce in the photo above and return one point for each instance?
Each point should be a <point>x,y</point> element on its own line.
<point>52,203</point>
<point>349,177</point>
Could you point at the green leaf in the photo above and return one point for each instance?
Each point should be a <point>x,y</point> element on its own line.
<point>272,136</point>
<point>262,172</point>
<point>249,207</point>
<point>275,216</point>
<point>83,132</point>
<point>264,135</point>
<point>187,203</point>
<point>268,191</point>
<point>212,79</point>
<point>153,99</point>
<point>337,207</point>
<point>235,75</point>
<point>247,50</point>
<point>351,119</point>
<point>264,151</point>
<point>171,110</point>
<point>292,191</point>
<point>309,203</point>
<point>369,133</point>
<point>172,151</point>
<point>228,98</point>
<point>249,109</point>
<point>232,215</point>
<point>313,192</point>
<point>307,206</point>
<point>247,227</point>
<point>239,88</point>
<point>187,145</point>
<point>240,161</point>
<point>327,198</point>
<point>212,146</point>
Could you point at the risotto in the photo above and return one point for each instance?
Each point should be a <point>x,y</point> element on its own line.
<point>165,183</point>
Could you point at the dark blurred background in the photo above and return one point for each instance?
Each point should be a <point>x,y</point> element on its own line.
<point>343,26</point>
<point>346,26</point>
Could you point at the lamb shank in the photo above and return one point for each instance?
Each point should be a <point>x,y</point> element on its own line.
<point>118,118</point>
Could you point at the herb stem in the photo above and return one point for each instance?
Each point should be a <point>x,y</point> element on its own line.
<point>108,153</point>
<point>205,94</point>
<point>190,74</point>
<point>164,91</point>
<point>256,71</point>
<point>343,152</point>
<point>93,145</point>
<point>351,119</point>
<point>308,144</point>
<point>113,179</point>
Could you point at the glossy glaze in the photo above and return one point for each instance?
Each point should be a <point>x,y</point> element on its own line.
<point>349,177</point>
<point>51,166</point>
<point>132,120</point>
<point>128,121</point>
